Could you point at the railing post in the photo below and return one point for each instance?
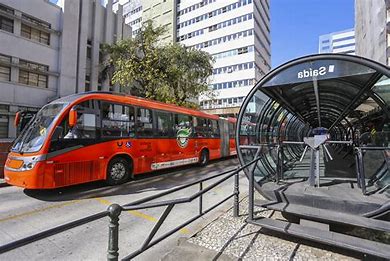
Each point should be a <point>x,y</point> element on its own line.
<point>277,163</point>
<point>200,199</point>
<point>251,194</point>
<point>114,211</point>
<point>362,176</point>
<point>236,205</point>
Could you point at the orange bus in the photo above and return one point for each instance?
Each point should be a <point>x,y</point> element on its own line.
<point>104,136</point>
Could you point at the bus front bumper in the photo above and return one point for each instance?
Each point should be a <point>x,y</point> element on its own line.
<point>29,179</point>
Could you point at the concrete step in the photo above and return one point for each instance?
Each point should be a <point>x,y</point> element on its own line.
<point>327,216</point>
<point>326,237</point>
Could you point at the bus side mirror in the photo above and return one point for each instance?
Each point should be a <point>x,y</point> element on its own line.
<point>72,117</point>
<point>17,119</point>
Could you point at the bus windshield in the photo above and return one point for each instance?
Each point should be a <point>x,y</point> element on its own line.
<point>32,138</point>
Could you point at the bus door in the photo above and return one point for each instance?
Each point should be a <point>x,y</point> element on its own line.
<point>214,142</point>
<point>164,135</point>
<point>232,141</point>
<point>146,143</point>
<point>184,144</point>
<point>74,161</point>
<point>224,128</point>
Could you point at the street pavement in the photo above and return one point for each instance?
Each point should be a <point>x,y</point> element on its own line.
<point>25,212</point>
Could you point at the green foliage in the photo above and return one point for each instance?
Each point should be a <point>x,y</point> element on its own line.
<point>169,73</point>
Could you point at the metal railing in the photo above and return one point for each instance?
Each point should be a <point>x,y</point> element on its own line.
<point>114,211</point>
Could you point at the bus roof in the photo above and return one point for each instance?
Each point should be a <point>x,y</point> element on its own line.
<point>133,100</point>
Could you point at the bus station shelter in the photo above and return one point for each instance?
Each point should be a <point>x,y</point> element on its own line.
<point>318,131</point>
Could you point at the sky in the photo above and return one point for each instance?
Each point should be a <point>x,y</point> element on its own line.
<point>297,24</point>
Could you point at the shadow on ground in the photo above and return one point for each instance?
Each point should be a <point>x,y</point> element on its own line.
<point>155,181</point>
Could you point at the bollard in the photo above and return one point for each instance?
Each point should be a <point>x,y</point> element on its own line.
<point>113,232</point>
<point>236,195</point>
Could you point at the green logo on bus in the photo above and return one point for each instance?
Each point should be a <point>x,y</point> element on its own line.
<point>183,136</point>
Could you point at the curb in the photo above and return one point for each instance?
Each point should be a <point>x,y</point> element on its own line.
<point>3,183</point>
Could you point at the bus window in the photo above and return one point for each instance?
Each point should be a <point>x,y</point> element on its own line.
<point>164,124</point>
<point>85,127</point>
<point>214,129</point>
<point>200,127</point>
<point>144,122</point>
<point>183,122</point>
<point>117,120</point>
<point>231,130</point>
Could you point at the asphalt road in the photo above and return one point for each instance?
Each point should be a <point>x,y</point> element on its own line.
<point>25,212</point>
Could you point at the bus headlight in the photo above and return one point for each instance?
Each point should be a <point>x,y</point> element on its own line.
<point>23,164</point>
<point>29,165</point>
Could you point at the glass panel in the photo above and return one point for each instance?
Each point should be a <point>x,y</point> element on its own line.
<point>117,120</point>
<point>144,123</point>
<point>5,73</point>
<point>200,127</point>
<point>164,124</point>
<point>183,124</point>
<point>215,129</point>
<point>6,24</point>
<point>3,126</point>
<point>33,137</point>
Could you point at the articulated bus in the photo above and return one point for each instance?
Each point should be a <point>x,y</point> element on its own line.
<point>104,136</point>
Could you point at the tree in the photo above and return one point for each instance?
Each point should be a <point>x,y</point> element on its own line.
<point>169,73</point>
<point>186,74</point>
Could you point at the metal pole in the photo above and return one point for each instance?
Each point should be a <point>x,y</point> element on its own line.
<point>312,168</point>
<point>277,163</point>
<point>236,206</point>
<point>357,168</point>
<point>362,175</point>
<point>318,166</point>
<point>200,199</point>
<point>114,211</point>
<point>251,196</point>
<point>281,162</point>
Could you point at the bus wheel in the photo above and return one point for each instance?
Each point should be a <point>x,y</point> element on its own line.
<point>118,171</point>
<point>204,158</point>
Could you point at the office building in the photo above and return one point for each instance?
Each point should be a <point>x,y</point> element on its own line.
<point>237,35</point>
<point>235,32</point>
<point>161,12</point>
<point>372,19</point>
<point>338,42</point>
<point>47,52</point>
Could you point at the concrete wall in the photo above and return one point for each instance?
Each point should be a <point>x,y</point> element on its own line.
<point>370,29</point>
<point>71,28</point>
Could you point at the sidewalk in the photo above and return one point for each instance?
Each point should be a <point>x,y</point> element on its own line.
<point>230,238</point>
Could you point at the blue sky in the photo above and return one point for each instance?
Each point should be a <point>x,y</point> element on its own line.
<point>297,24</point>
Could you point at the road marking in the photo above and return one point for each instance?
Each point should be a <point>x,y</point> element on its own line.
<point>139,214</point>
<point>30,213</point>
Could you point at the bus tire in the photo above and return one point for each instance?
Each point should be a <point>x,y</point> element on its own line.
<point>118,171</point>
<point>204,158</point>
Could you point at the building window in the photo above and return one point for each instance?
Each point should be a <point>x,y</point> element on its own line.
<point>6,24</point>
<point>5,68</point>
<point>35,34</point>
<point>4,109</point>
<point>242,50</point>
<point>33,74</point>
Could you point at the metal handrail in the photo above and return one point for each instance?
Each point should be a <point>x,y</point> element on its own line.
<point>114,211</point>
